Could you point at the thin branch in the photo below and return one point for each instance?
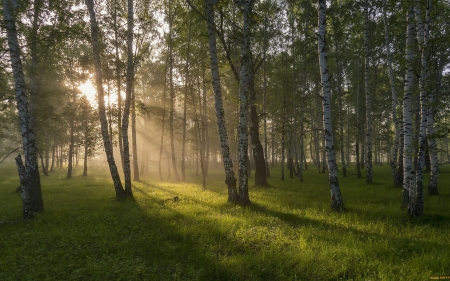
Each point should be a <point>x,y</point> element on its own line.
<point>11,153</point>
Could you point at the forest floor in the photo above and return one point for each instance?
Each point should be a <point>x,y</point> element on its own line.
<point>287,233</point>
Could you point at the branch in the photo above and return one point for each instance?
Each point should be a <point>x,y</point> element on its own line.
<point>10,153</point>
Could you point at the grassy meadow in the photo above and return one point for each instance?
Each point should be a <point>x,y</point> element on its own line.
<point>287,233</point>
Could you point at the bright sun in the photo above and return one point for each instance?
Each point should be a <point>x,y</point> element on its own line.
<point>90,91</point>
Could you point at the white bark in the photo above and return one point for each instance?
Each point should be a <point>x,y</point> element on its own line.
<point>246,6</point>
<point>408,148</point>
<point>30,177</point>
<point>416,199</point>
<point>336,198</point>
<point>230,179</point>
<point>126,110</point>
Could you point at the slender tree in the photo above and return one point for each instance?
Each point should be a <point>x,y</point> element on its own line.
<point>120,192</point>
<point>336,198</point>
<point>434,161</point>
<point>230,178</point>
<point>408,148</point>
<point>368,96</point>
<point>394,97</point>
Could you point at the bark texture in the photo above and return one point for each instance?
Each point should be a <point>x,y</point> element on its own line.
<point>30,175</point>
<point>230,178</point>
<point>408,148</point>
<point>336,199</point>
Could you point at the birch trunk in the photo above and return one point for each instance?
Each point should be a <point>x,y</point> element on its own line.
<point>257,148</point>
<point>408,148</point>
<point>30,173</point>
<point>369,179</point>
<point>101,102</point>
<point>416,200</point>
<point>336,198</point>
<point>230,178</point>
<point>246,7</point>
<point>119,97</point>
<point>133,136</point>
<point>126,110</point>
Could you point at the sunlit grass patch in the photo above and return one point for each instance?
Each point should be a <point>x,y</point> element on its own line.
<point>287,233</point>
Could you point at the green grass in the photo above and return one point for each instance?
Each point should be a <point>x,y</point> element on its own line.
<point>287,233</point>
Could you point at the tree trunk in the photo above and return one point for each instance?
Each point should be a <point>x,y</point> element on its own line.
<point>246,7</point>
<point>264,105</point>
<point>126,110</point>
<point>26,201</point>
<point>408,148</point>
<point>369,179</point>
<point>336,198</point>
<point>31,175</point>
<point>101,102</point>
<point>257,148</point>
<point>71,147</point>
<point>172,96</point>
<point>163,122</point>
<point>205,124</point>
<point>230,179</point>
<point>119,97</point>
<point>416,200</point>
<point>186,90</point>
<point>394,98</point>
<point>134,137</point>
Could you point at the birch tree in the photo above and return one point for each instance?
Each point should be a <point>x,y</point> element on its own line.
<point>126,111</point>
<point>246,8</point>
<point>416,201</point>
<point>336,198</point>
<point>29,174</point>
<point>368,96</point>
<point>408,148</point>
<point>230,178</point>
<point>101,101</point>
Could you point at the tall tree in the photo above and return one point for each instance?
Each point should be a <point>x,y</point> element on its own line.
<point>368,95</point>
<point>394,97</point>
<point>336,199</point>
<point>408,148</point>
<point>246,8</point>
<point>230,178</point>
<point>126,111</point>
<point>172,94</point>
<point>29,174</point>
<point>120,192</point>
